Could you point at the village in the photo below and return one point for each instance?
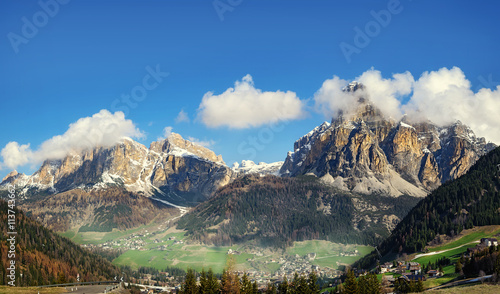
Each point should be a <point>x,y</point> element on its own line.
<point>286,265</point>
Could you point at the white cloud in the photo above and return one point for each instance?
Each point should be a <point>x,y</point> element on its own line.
<point>102,129</point>
<point>445,96</point>
<point>437,95</point>
<point>385,93</point>
<point>205,144</point>
<point>167,131</point>
<point>244,106</point>
<point>15,155</point>
<point>182,117</point>
<point>441,96</point>
<point>330,99</point>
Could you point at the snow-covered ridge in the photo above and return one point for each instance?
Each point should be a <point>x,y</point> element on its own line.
<point>250,167</point>
<point>128,164</point>
<point>406,125</point>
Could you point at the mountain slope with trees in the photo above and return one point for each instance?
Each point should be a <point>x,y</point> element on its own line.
<point>471,200</point>
<point>277,211</point>
<point>43,257</point>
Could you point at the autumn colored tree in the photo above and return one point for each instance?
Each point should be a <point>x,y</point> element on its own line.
<point>230,281</point>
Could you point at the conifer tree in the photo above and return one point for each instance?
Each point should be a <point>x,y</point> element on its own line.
<point>189,285</point>
<point>351,284</point>
<point>246,285</point>
<point>283,286</point>
<point>312,281</point>
<point>213,286</point>
<point>203,282</point>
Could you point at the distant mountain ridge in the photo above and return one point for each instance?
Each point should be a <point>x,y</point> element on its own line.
<point>116,187</point>
<point>168,166</point>
<point>366,152</point>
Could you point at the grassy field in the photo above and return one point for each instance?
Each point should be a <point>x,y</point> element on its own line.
<point>476,289</point>
<point>328,253</point>
<point>198,256</point>
<point>458,246</point>
<point>158,225</point>
<point>184,257</point>
<point>30,290</point>
<point>468,236</point>
<point>100,237</point>
<point>179,255</point>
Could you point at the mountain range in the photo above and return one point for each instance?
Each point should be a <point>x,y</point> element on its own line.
<point>361,153</point>
<point>364,151</point>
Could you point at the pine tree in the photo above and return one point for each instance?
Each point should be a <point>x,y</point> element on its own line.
<point>419,287</point>
<point>312,281</point>
<point>372,284</point>
<point>362,285</point>
<point>458,267</point>
<point>351,284</point>
<point>224,281</point>
<point>283,286</point>
<point>246,285</point>
<point>271,289</point>
<point>189,286</point>
<point>213,286</point>
<point>255,288</point>
<point>203,282</point>
<point>292,288</point>
<point>303,287</point>
<point>61,278</point>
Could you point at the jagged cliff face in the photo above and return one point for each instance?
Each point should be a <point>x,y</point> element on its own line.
<point>368,153</point>
<point>171,165</point>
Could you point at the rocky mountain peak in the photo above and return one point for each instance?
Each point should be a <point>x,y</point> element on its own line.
<point>175,144</point>
<point>353,86</point>
<point>365,151</point>
<point>173,165</point>
<point>11,176</point>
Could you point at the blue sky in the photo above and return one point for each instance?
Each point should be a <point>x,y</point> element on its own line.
<point>89,53</point>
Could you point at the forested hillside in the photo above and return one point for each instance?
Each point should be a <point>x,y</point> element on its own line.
<point>471,200</point>
<point>277,211</point>
<point>43,257</point>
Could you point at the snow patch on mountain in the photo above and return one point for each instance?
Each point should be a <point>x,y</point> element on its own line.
<point>262,168</point>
